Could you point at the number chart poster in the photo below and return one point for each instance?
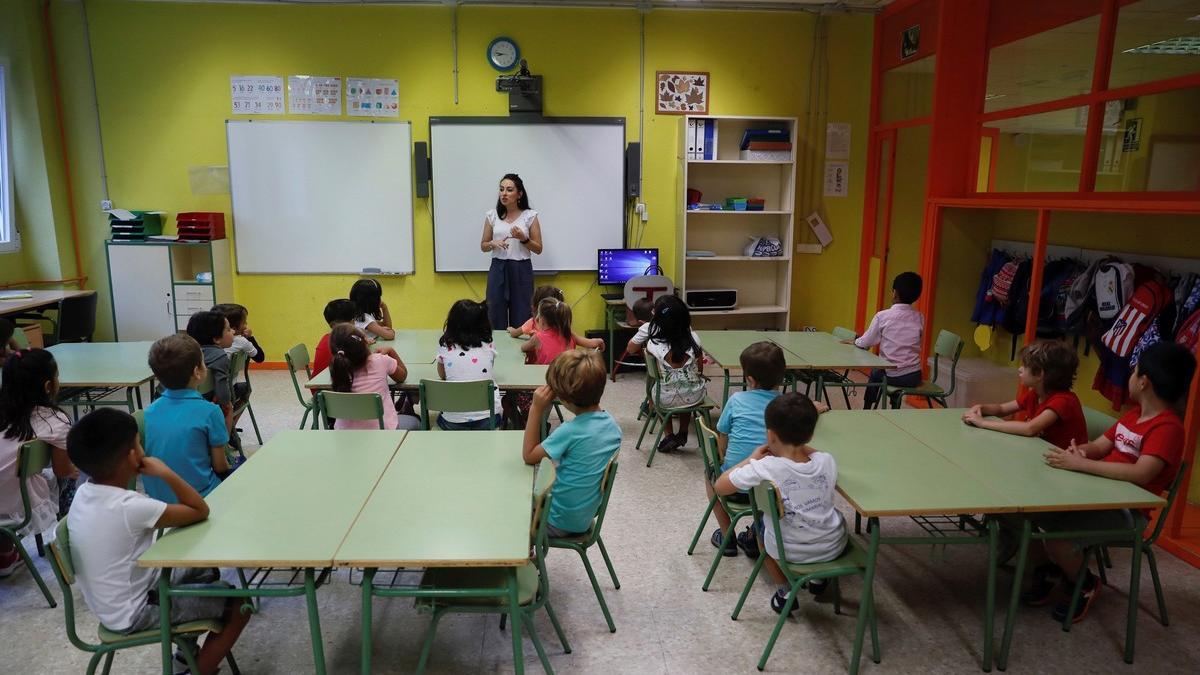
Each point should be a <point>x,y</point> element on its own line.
<point>256,94</point>
<point>369,97</point>
<point>312,95</point>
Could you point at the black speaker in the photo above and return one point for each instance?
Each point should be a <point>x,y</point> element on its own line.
<point>633,169</point>
<point>421,166</point>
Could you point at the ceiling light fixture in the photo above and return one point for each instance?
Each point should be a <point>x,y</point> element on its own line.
<point>1176,45</point>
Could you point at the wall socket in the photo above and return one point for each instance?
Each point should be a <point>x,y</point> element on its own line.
<point>105,204</point>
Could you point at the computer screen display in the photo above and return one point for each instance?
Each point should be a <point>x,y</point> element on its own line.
<point>618,265</point>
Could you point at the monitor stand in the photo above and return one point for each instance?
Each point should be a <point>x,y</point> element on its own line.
<point>619,295</point>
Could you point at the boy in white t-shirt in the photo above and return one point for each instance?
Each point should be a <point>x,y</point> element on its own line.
<point>112,526</point>
<point>813,531</point>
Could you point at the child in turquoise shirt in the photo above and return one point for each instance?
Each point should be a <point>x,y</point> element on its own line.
<point>581,447</point>
<point>182,429</point>
<point>742,428</point>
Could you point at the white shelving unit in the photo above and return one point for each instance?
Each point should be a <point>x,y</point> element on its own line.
<point>763,284</point>
<point>154,286</point>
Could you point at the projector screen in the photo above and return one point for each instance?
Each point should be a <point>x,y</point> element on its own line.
<point>321,197</point>
<point>573,170</point>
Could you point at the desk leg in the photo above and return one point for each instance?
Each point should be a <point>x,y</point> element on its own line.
<point>867,595</point>
<point>514,607</point>
<point>1010,617</point>
<point>989,617</point>
<point>368,583</point>
<point>725,392</point>
<point>129,399</point>
<point>164,618</point>
<point>314,621</point>
<point>609,319</point>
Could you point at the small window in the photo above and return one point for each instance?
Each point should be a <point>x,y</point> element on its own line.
<point>9,239</point>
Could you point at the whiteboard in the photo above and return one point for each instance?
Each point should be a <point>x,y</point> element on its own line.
<point>574,175</point>
<point>321,197</point>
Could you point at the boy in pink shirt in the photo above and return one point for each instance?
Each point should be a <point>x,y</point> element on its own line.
<point>897,330</point>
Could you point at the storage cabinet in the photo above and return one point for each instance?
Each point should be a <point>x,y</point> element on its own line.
<point>154,284</point>
<point>763,284</point>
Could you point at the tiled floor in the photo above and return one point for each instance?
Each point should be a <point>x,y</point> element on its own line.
<point>929,602</point>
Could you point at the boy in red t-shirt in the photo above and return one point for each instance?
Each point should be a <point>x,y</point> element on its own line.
<point>1050,409</point>
<point>1144,447</point>
<point>336,312</point>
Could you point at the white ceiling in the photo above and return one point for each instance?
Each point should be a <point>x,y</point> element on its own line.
<point>776,5</point>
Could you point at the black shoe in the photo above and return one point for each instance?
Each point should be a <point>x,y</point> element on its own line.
<point>779,600</point>
<point>669,443</point>
<point>817,586</point>
<point>1045,579</point>
<point>681,439</point>
<point>1091,589</point>
<point>748,542</point>
<point>1006,546</point>
<point>730,547</point>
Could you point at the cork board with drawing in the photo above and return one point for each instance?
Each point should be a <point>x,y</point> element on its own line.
<point>681,93</point>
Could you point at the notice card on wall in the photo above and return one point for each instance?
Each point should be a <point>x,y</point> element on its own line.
<point>837,175</point>
<point>370,97</point>
<point>837,140</point>
<point>256,94</point>
<point>312,95</point>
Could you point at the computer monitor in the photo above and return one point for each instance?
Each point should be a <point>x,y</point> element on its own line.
<point>615,266</point>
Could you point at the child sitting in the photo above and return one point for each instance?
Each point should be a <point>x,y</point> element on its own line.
<point>741,429</point>
<point>337,312</point>
<point>373,317</point>
<point>897,330</point>
<point>243,341</point>
<point>580,447</point>
<point>553,334</point>
<point>27,412</point>
<point>1144,447</point>
<point>466,352</point>
<point>8,343</point>
<point>182,429</point>
<point>540,293</point>
<point>640,313</point>
<point>111,527</point>
<point>669,338</point>
<point>813,531</point>
<point>1050,408</point>
<point>355,368</point>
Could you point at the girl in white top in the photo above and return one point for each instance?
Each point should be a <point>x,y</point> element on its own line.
<point>669,338</point>
<point>373,318</point>
<point>27,412</point>
<point>511,232</point>
<point>466,353</point>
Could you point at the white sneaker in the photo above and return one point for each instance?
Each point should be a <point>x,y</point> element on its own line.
<point>9,565</point>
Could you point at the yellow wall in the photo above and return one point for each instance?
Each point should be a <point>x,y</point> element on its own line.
<point>162,105</point>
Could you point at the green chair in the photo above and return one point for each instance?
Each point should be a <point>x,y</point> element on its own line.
<point>658,414</point>
<point>842,380</point>
<point>765,497</point>
<point>21,338</point>
<point>297,358</point>
<point>205,386</point>
<point>483,590</point>
<point>457,397</point>
<point>32,458</point>
<point>240,363</point>
<point>337,405</point>
<point>1097,422</point>
<point>581,543</point>
<point>111,642</point>
<point>948,346</point>
<point>712,471</point>
<point>1147,551</point>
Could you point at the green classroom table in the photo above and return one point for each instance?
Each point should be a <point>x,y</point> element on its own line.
<point>483,521</point>
<point>104,365</point>
<point>928,464</point>
<point>510,375</point>
<point>802,350</point>
<point>420,345</point>
<point>290,505</point>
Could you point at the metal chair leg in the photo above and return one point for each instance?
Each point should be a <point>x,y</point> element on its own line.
<point>703,521</point>
<point>254,423</point>
<point>612,573</point>
<point>562,638</point>
<point>587,566</point>
<point>1158,591</point>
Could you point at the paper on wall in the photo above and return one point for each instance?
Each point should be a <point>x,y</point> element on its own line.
<point>837,140</point>
<point>837,176</point>
<point>313,95</point>
<point>256,94</point>
<point>372,97</point>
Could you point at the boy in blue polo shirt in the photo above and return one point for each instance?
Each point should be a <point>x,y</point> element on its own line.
<point>182,429</point>
<point>581,447</point>
<point>741,429</point>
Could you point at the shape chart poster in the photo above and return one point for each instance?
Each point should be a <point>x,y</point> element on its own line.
<point>372,97</point>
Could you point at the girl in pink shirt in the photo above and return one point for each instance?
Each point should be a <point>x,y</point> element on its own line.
<point>540,293</point>
<point>552,335</point>
<point>354,368</point>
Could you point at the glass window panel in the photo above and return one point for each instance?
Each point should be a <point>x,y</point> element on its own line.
<point>1156,40</point>
<point>908,91</point>
<point>1038,153</point>
<point>1046,66</point>
<point>1155,145</point>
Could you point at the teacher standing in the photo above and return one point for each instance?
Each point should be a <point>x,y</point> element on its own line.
<point>511,231</point>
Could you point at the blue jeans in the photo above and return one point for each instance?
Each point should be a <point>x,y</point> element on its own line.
<point>509,292</point>
<point>477,425</point>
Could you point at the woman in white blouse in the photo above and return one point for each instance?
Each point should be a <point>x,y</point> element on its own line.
<point>511,232</point>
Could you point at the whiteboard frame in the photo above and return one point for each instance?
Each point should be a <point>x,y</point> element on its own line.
<point>362,271</point>
<point>531,120</point>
